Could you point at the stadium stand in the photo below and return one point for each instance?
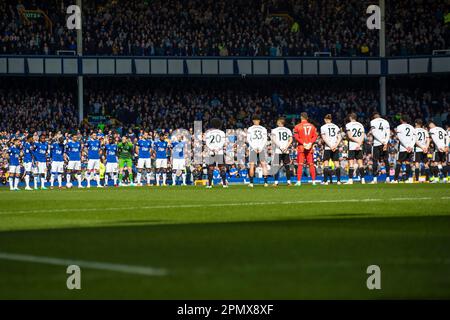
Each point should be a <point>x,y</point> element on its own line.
<point>225,28</point>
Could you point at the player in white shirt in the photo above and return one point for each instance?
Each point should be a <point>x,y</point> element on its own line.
<point>257,140</point>
<point>407,140</point>
<point>355,134</point>
<point>282,140</point>
<point>380,130</point>
<point>448,153</point>
<point>421,150</point>
<point>331,137</point>
<point>215,141</point>
<point>439,137</point>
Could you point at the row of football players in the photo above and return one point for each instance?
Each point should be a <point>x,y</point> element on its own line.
<point>414,145</point>
<point>34,152</point>
<point>413,142</point>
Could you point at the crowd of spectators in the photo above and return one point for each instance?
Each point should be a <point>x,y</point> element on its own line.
<point>226,28</point>
<point>51,104</point>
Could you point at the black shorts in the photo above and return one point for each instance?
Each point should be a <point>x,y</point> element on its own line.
<point>404,156</point>
<point>330,155</point>
<point>440,156</point>
<point>420,157</point>
<point>281,159</point>
<point>355,155</point>
<point>215,159</point>
<point>255,157</point>
<point>379,154</point>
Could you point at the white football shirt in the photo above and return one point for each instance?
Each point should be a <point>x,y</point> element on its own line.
<point>355,130</point>
<point>257,137</point>
<point>331,132</point>
<point>280,136</point>
<point>439,137</point>
<point>215,140</point>
<point>406,135</point>
<point>421,138</point>
<point>380,131</point>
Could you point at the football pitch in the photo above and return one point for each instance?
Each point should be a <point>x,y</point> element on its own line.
<point>239,243</point>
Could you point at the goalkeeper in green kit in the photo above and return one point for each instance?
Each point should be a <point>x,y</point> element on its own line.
<point>125,151</point>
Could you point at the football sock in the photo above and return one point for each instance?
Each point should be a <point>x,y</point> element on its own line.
<point>325,174</point>
<point>183,176</point>
<point>88,179</point>
<point>174,178</point>
<point>265,179</point>
<point>158,176</point>
<point>106,179</point>
<point>148,177</point>
<point>312,171</point>
<point>338,174</point>
<point>251,179</point>
<point>427,173</point>
<point>79,179</point>
<point>52,179</point>
<point>398,167</point>
<point>375,169</point>
<point>16,182</point>
<point>11,183</point>
<point>42,181</point>
<point>408,171</point>
<point>288,172</point>
<point>350,172</point>
<point>138,177</point>
<point>362,172</point>
<point>223,174</point>
<point>97,179</point>
<point>27,180</point>
<point>35,179</point>
<point>59,180</point>
<point>299,172</point>
<point>417,173</point>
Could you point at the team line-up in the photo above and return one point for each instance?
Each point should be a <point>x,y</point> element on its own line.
<point>31,156</point>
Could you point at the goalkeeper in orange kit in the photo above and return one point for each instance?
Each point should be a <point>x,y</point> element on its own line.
<point>306,135</point>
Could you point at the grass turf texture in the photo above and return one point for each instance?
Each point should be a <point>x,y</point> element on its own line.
<point>283,243</point>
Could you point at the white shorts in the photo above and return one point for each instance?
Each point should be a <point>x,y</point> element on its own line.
<point>144,163</point>
<point>74,165</point>
<point>93,164</point>
<point>28,166</point>
<point>112,167</point>
<point>14,169</point>
<point>40,168</point>
<point>161,163</point>
<point>178,164</point>
<point>57,166</point>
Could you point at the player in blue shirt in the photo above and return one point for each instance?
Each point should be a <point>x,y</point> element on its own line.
<point>143,149</point>
<point>178,160</point>
<point>28,148</point>
<point>73,154</point>
<point>40,161</point>
<point>112,167</point>
<point>14,165</point>
<point>57,166</point>
<point>93,166</point>
<point>161,149</point>
<point>243,173</point>
<point>233,173</point>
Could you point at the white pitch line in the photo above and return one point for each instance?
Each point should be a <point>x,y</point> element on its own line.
<point>211,205</point>
<point>145,271</point>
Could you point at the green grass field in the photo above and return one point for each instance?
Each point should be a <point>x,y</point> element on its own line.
<point>192,243</point>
